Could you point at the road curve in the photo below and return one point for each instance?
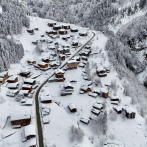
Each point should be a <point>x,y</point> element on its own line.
<point>40,142</point>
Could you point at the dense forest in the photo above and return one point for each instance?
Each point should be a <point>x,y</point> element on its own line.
<point>12,19</point>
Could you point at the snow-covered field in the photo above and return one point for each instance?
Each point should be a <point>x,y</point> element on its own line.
<point>126,132</point>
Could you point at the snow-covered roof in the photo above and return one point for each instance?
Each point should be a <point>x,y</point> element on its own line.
<point>11,85</point>
<point>45,98</point>
<point>72,61</point>
<point>12,78</point>
<point>92,94</point>
<point>95,111</point>
<point>62,30</point>
<point>2,74</point>
<point>98,106</point>
<point>31,142</point>
<point>30,130</point>
<point>72,106</point>
<point>84,119</point>
<point>42,63</point>
<point>59,71</point>
<point>129,109</point>
<point>100,68</point>
<point>22,92</point>
<point>11,92</point>
<point>26,85</point>
<point>115,97</point>
<point>118,108</point>
<point>24,71</point>
<point>1,79</point>
<point>84,87</point>
<point>20,116</point>
<point>68,85</point>
<point>28,80</point>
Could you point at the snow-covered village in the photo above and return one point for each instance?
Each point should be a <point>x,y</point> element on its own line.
<point>70,84</point>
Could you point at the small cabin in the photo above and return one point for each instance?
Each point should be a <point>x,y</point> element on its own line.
<point>84,53</point>
<point>54,64</point>
<point>118,109</point>
<point>51,24</point>
<point>43,65</point>
<point>29,81</point>
<point>2,80</point>
<point>13,85</point>
<point>98,106</point>
<point>31,62</point>
<point>59,73</point>
<point>46,99</point>
<point>72,107</point>
<point>66,27</point>
<point>20,119</point>
<point>104,93</point>
<point>74,30</point>
<point>75,43</point>
<point>68,87</point>
<point>12,79</point>
<point>12,93</point>
<point>85,88</point>
<point>62,32</point>
<point>45,59</point>
<point>83,33</point>
<point>57,27</point>
<point>115,98</point>
<point>72,64</point>
<point>27,87</point>
<point>62,57</point>
<point>30,131</point>
<point>51,33</point>
<point>23,93</point>
<point>101,72</point>
<point>85,120</point>
<point>60,50</point>
<point>25,73</point>
<point>66,50</point>
<point>129,113</point>
<point>4,75</point>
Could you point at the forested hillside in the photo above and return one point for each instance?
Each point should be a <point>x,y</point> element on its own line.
<point>12,19</point>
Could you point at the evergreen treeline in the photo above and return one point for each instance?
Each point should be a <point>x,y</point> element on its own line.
<point>12,19</point>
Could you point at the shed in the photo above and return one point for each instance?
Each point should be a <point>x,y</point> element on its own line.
<point>12,79</point>
<point>85,120</point>
<point>72,107</point>
<point>46,99</point>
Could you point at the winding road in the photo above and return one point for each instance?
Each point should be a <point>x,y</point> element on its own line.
<point>40,142</point>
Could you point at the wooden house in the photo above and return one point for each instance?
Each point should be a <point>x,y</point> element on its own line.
<point>93,94</point>
<point>30,61</point>
<point>25,73</point>
<point>104,93</point>
<point>62,57</point>
<point>72,64</point>
<point>2,81</point>
<point>13,85</point>
<point>98,106</point>
<point>75,43</point>
<point>27,87</point>
<point>65,26</point>
<point>85,88</point>
<point>30,131</point>
<point>72,107</point>
<point>74,30</point>
<point>59,73</point>
<point>84,53</point>
<point>83,33</point>
<point>45,59</point>
<point>54,64</point>
<point>51,24</point>
<point>43,65</point>
<point>30,81</point>
<point>118,109</point>
<point>85,120</point>
<point>12,79</point>
<point>129,113</point>
<point>68,87</point>
<point>57,27</point>
<point>101,72</point>
<point>66,50</point>
<point>46,99</point>
<point>20,119</point>
<point>62,32</point>
<point>115,98</point>
<point>12,93</point>
<point>4,75</point>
